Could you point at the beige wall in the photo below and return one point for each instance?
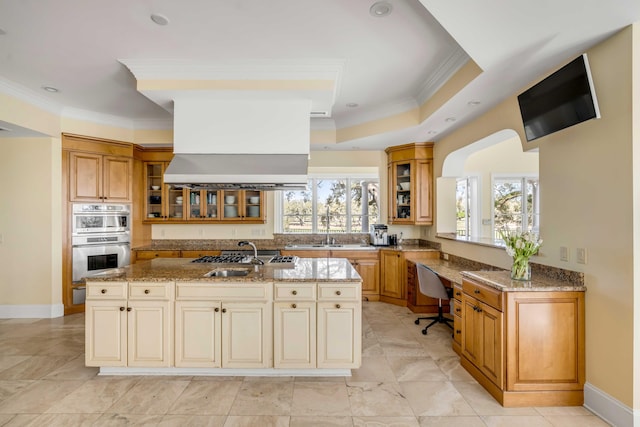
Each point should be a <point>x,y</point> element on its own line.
<point>30,221</point>
<point>587,201</point>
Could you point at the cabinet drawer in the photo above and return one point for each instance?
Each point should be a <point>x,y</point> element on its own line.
<point>457,307</point>
<point>457,292</point>
<point>157,254</point>
<point>151,290</point>
<point>489,296</point>
<point>198,254</point>
<point>338,292</point>
<point>106,290</point>
<point>229,291</point>
<point>294,292</point>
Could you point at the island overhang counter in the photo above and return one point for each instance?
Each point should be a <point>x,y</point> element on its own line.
<point>171,317</point>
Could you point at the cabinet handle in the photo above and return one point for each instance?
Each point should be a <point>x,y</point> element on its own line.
<point>458,310</point>
<point>294,292</point>
<point>338,293</point>
<point>224,310</point>
<point>216,309</point>
<point>128,308</point>
<point>103,291</point>
<point>121,308</point>
<point>337,305</point>
<point>476,291</point>
<point>294,306</point>
<point>146,291</point>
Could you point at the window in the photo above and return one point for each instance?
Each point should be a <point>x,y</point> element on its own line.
<point>340,205</point>
<point>516,204</point>
<point>467,210</point>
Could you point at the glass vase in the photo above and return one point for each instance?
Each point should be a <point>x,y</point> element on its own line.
<point>521,270</point>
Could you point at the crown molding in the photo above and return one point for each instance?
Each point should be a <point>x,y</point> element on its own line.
<point>444,72</point>
<point>153,124</point>
<point>29,96</point>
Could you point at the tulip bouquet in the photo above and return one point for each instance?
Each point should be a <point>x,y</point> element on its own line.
<point>521,246</point>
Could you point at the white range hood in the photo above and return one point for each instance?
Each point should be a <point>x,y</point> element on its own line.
<point>240,143</point>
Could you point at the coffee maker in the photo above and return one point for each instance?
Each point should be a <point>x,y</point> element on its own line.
<point>378,235</point>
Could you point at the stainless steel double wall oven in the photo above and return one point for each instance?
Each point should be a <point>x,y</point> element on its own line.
<point>101,238</point>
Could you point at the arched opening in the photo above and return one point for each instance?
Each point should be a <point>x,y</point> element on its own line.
<point>486,185</point>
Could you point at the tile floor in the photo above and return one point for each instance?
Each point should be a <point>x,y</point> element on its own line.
<point>406,379</point>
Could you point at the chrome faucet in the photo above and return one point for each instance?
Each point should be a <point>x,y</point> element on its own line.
<point>255,259</point>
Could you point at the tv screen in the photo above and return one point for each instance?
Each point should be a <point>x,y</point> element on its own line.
<point>565,98</point>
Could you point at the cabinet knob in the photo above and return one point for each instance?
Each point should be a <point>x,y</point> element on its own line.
<point>294,306</point>
<point>216,309</point>
<point>128,308</point>
<point>224,310</point>
<point>476,291</point>
<point>338,293</point>
<point>121,308</point>
<point>103,291</point>
<point>146,291</point>
<point>458,310</point>
<point>458,294</point>
<point>458,331</point>
<point>157,254</point>
<point>294,292</point>
<point>337,305</point>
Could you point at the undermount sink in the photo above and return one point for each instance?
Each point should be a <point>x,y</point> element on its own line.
<point>227,273</point>
<point>354,246</point>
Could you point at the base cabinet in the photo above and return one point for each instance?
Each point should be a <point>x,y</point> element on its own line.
<point>339,334</point>
<point>129,324</point>
<point>198,334</point>
<point>294,334</point>
<point>246,338</point>
<point>525,348</point>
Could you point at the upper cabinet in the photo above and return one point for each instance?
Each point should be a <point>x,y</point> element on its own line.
<point>96,177</point>
<point>166,203</point>
<point>410,183</point>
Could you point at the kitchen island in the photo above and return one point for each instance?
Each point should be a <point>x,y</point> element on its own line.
<point>176,317</point>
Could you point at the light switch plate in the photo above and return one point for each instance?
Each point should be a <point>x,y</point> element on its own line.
<point>564,253</point>
<point>581,255</point>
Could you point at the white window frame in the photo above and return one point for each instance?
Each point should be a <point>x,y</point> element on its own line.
<point>474,205</point>
<point>523,177</point>
<point>279,200</point>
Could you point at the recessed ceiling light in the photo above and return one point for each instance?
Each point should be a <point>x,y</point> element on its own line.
<point>473,103</point>
<point>450,119</point>
<point>352,104</point>
<point>380,9</point>
<point>159,19</point>
<point>432,132</point>
<point>50,89</point>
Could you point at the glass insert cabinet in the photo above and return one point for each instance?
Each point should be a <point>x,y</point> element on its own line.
<point>167,203</point>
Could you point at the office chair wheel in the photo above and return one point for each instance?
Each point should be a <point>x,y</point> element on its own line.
<point>424,331</point>
<point>417,322</point>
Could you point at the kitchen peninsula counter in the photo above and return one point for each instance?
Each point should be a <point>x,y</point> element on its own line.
<point>167,317</point>
<point>182,269</point>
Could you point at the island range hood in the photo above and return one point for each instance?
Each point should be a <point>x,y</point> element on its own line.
<point>239,143</point>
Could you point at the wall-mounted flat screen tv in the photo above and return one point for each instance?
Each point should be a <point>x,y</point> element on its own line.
<point>565,98</point>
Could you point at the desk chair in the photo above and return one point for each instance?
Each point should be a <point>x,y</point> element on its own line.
<point>432,286</point>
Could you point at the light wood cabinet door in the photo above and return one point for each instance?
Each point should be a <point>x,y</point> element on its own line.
<point>117,176</point>
<point>423,200</point>
<point>294,334</point>
<point>339,335</point>
<point>106,333</point>
<point>149,333</point>
<point>482,338</point>
<point>392,266</point>
<point>369,270</point>
<point>198,334</point>
<point>85,177</point>
<point>549,356</point>
<point>246,335</point>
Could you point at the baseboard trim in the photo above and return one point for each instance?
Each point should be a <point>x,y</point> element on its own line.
<point>263,372</point>
<point>608,408</point>
<point>34,311</point>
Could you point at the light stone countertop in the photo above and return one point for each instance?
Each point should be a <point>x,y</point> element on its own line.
<point>500,279</point>
<point>182,269</point>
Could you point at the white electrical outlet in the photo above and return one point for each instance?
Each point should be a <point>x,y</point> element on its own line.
<point>581,255</point>
<point>445,256</point>
<point>564,253</point>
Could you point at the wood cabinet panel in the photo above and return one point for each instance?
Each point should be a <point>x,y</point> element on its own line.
<point>149,332</point>
<point>392,274</point>
<point>99,178</point>
<point>339,334</point>
<point>198,334</point>
<point>294,334</point>
<point>106,333</point>
<point>246,335</point>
